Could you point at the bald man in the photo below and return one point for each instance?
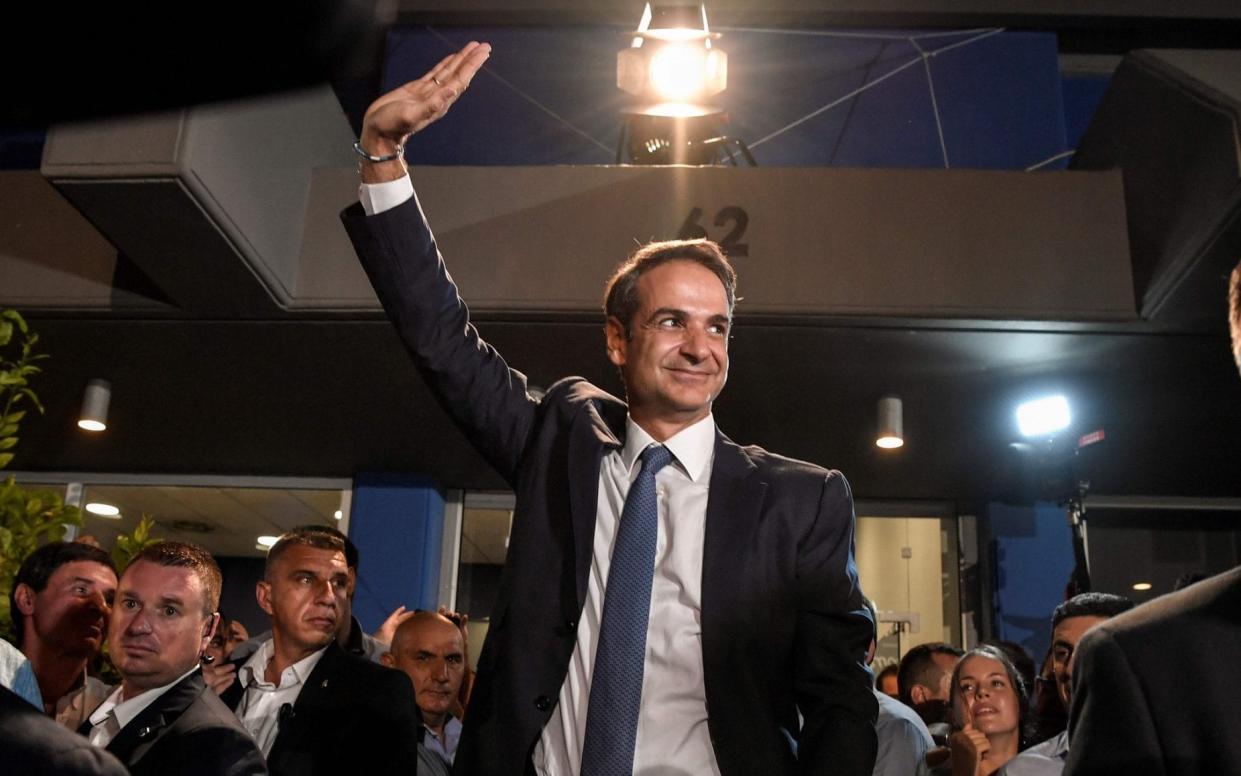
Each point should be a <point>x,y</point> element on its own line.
<point>429,648</point>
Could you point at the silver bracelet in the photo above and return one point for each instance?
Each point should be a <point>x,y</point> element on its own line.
<point>357,147</point>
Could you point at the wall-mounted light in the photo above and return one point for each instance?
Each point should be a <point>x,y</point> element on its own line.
<point>891,423</point>
<point>1044,417</point>
<point>1142,586</point>
<point>102,509</point>
<point>94,416</point>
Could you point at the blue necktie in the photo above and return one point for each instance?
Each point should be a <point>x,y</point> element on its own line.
<point>616,681</point>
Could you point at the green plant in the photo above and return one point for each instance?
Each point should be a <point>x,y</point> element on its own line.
<point>15,372</point>
<point>28,518</point>
<point>129,545</point>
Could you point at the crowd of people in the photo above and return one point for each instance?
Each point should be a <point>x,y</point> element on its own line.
<point>672,602</point>
<point>315,694</point>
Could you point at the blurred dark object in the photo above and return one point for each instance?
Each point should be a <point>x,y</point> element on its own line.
<point>96,61</point>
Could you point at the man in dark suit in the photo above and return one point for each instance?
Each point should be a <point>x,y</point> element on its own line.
<point>1156,689</point>
<point>732,602</point>
<point>163,718</point>
<point>313,708</point>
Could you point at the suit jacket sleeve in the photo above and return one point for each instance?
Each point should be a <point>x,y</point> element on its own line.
<point>1110,726</point>
<point>469,378</point>
<point>833,684</point>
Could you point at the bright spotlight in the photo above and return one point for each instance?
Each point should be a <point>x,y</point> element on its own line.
<point>1042,417</point>
<point>267,542</point>
<point>102,509</point>
<point>678,72</point>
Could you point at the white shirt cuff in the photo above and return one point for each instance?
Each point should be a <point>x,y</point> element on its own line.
<point>378,197</point>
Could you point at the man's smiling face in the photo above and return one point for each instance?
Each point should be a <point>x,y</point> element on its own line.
<point>674,359</point>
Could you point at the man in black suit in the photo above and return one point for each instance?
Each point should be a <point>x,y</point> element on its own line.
<point>163,718</point>
<point>313,708</point>
<point>737,565</point>
<point>1156,689</point>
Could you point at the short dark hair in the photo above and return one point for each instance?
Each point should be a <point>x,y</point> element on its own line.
<point>1234,313</point>
<point>306,536</point>
<point>918,667</point>
<point>1014,678</point>
<point>885,673</point>
<point>39,566</point>
<point>620,299</point>
<point>190,556</point>
<point>1090,605</point>
<point>351,549</point>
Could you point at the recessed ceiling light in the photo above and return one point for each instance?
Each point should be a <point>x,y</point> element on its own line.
<point>339,514</point>
<point>92,425</point>
<point>103,510</point>
<point>1142,585</point>
<point>267,541</point>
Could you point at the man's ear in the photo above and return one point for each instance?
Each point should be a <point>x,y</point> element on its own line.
<point>212,623</point>
<point>387,659</point>
<point>617,342</point>
<point>918,694</point>
<point>24,595</point>
<point>262,593</point>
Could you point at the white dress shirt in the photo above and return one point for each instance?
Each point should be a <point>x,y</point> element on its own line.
<point>672,720</point>
<point>101,733</point>
<point>260,704</point>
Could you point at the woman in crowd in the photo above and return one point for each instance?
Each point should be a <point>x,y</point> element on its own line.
<point>989,700</point>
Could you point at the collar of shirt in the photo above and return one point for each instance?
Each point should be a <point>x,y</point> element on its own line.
<point>125,711</point>
<point>692,447</point>
<point>254,672</point>
<point>445,747</point>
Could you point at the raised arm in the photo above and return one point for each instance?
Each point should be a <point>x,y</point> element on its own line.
<point>487,400</point>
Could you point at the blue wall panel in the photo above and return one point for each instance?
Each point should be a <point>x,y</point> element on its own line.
<point>1033,556</point>
<point>397,523</point>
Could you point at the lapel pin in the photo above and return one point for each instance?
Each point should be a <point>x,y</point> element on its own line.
<point>144,732</point>
<point>324,683</point>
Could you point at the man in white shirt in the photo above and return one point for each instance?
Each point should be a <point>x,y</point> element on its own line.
<point>60,603</point>
<point>313,708</point>
<point>1069,622</point>
<point>671,601</point>
<point>163,718</point>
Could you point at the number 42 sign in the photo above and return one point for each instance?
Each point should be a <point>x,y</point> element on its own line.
<point>692,229</point>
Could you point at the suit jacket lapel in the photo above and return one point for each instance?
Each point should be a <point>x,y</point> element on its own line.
<point>734,504</point>
<point>603,430</point>
<point>317,687</point>
<point>152,722</point>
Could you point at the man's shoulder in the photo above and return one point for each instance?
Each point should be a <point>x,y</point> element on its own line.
<point>779,466</point>
<point>574,392</point>
<point>34,743</point>
<point>207,711</point>
<point>1175,612</point>
<point>897,716</point>
<point>350,674</point>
